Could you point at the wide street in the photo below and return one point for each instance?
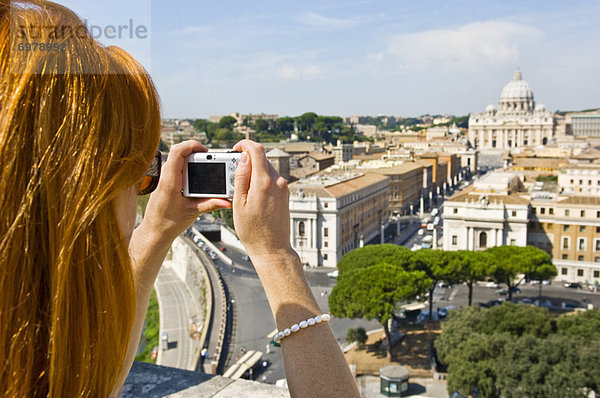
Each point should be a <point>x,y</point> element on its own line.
<point>177,307</point>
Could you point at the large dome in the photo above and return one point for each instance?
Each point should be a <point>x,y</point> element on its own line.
<point>517,89</point>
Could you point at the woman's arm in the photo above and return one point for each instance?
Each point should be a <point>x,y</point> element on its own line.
<point>168,214</point>
<point>314,364</point>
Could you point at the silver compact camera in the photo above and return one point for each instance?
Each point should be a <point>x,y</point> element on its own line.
<point>210,174</point>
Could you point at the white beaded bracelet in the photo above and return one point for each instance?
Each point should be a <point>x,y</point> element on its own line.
<point>302,325</point>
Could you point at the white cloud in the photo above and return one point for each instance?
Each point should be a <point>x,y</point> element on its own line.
<point>466,46</point>
<point>307,72</point>
<point>319,21</point>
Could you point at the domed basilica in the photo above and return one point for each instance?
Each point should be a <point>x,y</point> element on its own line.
<point>518,121</point>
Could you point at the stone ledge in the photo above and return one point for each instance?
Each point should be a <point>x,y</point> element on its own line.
<point>149,380</point>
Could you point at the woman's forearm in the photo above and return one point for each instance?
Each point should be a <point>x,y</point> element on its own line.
<point>314,364</point>
<point>147,255</point>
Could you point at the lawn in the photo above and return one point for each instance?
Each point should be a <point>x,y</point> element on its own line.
<point>151,330</point>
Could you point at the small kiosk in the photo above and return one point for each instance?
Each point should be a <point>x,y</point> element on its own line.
<point>394,381</point>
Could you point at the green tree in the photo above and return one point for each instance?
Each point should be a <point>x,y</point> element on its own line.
<point>373,293</point>
<point>473,370</point>
<point>306,121</point>
<point>356,334</point>
<point>285,125</point>
<point>227,122</point>
<point>203,125</point>
<point>261,125</point>
<point>468,267</point>
<point>514,350</point>
<point>435,265</point>
<point>369,255</point>
<point>512,264</point>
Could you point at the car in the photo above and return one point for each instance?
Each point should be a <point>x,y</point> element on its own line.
<point>424,316</point>
<point>504,292</point>
<point>525,300</point>
<point>492,285</point>
<point>222,248</point>
<point>573,285</point>
<point>415,248</point>
<point>545,304</point>
<point>246,258</point>
<point>434,212</point>
<point>443,312</point>
<point>164,341</point>
<point>421,232</point>
<point>333,274</point>
<point>444,284</point>
<point>546,282</point>
<point>154,353</point>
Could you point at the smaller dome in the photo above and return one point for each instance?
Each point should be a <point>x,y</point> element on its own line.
<point>490,108</point>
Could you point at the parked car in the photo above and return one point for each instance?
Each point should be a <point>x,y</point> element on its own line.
<point>443,312</point>
<point>546,282</point>
<point>154,353</point>
<point>421,232</point>
<point>492,285</point>
<point>246,258</point>
<point>444,284</point>
<point>525,300</point>
<point>164,341</point>
<point>333,274</point>
<point>504,292</point>
<point>573,285</point>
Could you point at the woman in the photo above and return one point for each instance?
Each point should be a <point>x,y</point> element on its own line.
<point>78,129</point>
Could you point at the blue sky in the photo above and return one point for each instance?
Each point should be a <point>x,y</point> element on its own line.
<point>401,58</point>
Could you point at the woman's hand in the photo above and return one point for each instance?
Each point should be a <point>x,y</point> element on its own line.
<point>169,213</point>
<point>260,203</point>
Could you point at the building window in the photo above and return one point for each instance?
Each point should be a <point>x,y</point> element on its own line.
<point>482,240</point>
<point>598,214</point>
<point>326,244</point>
<point>455,211</point>
<point>572,181</point>
<point>533,210</point>
<point>565,256</point>
<point>455,240</point>
<point>565,227</point>
<point>565,244</point>
<point>581,244</point>
<point>580,272</point>
<point>542,210</point>
<point>563,271</point>
<point>567,213</point>
<point>513,242</point>
<point>301,230</point>
<point>326,204</point>
<point>582,213</point>
<point>324,256</point>
<point>596,274</point>
<point>597,259</point>
<point>551,211</point>
<point>514,213</point>
<point>581,228</point>
<point>598,230</point>
<point>597,245</point>
<point>326,232</point>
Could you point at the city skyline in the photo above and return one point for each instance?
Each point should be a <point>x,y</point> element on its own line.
<point>367,57</point>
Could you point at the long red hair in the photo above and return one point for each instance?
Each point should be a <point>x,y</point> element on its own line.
<point>76,128</point>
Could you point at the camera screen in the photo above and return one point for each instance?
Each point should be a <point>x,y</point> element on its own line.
<point>205,178</point>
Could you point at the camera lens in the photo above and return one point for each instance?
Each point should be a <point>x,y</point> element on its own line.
<point>208,157</point>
